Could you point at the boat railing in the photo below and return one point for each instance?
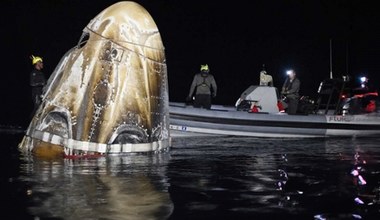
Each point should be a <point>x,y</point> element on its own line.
<point>330,95</point>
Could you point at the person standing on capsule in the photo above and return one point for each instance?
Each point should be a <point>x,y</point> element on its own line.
<point>37,81</point>
<point>205,88</point>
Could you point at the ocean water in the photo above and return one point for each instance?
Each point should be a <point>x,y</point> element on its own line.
<point>200,178</point>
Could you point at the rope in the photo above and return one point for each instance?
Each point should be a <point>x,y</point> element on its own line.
<point>128,42</point>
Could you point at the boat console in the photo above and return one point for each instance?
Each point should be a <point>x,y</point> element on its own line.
<point>259,98</point>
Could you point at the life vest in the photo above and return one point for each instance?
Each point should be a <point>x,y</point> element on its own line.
<point>371,107</point>
<point>204,84</point>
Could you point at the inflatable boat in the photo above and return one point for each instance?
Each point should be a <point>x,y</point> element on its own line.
<point>336,112</point>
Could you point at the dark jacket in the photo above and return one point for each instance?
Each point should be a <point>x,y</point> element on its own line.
<point>37,78</point>
<point>203,83</point>
<point>291,89</point>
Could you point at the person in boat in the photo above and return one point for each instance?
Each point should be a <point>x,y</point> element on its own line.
<point>205,88</point>
<point>265,78</point>
<point>37,81</point>
<point>290,92</point>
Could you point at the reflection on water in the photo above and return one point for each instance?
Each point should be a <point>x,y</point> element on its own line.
<point>208,178</point>
<point>250,178</point>
<point>115,187</point>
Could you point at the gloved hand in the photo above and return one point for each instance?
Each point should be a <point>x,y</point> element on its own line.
<point>188,99</point>
<point>213,94</point>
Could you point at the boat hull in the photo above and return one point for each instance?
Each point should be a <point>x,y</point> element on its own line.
<point>224,120</point>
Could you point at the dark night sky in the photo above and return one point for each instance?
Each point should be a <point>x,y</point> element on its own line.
<point>234,39</point>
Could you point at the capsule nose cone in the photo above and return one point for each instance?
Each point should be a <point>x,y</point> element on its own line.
<point>112,90</point>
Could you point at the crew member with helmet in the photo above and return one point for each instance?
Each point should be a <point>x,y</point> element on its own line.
<point>37,81</point>
<point>290,91</point>
<point>204,86</point>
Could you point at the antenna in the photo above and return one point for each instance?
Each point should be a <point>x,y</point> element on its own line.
<point>347,58</point>
<point>331,75</point>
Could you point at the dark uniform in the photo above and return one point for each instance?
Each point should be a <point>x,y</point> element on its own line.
<point>205,87</point>
<point>37,82</point>
<point>290,90</point>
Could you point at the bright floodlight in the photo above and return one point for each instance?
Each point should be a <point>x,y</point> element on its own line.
<point>289,72</point>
